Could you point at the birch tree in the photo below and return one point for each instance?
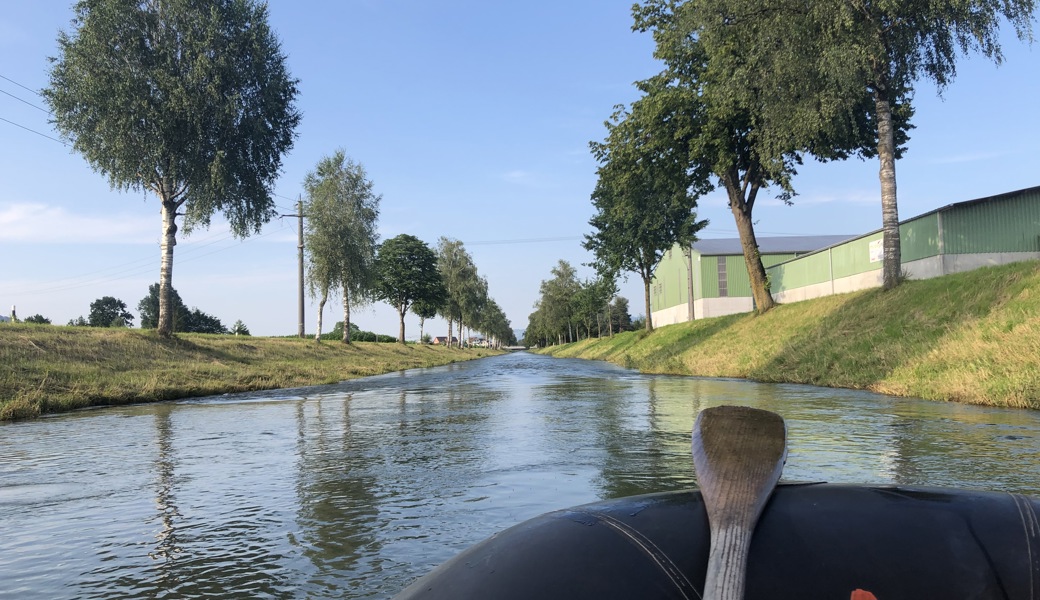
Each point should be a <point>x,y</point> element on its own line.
<point>188,99</point>
<point>458,273</point>
<point>883,48</point>
<point>340,213</point>
<point>838,75</point>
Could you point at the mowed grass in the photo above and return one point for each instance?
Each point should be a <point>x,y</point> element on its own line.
<point>46,369</point>
<point>970,337</point>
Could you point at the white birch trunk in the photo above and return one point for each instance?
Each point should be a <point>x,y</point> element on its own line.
<point>892,260</point>
<point>168,241</point>
<point>321,312</point>
<point>346,315</point>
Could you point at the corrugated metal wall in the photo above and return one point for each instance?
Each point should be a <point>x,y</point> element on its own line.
<point>1011,225</point>
<point>919,238</point>
<point>809,270</point>
<point>1005,223</point>
<point>669,286</point>
<point>709,268</point>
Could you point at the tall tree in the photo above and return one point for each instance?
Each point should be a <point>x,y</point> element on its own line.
<point>109,312</point>
<point>752,114</point>
<point>882,48</point>
<point>557,303</point>
<point>474,302</point>
<point>458,274</point>
<point>188,99</point>
<point>835,78</point>
<point>646,195</point>
<point>184,320</point>
<point>341,210</point>
<point>495,326</point>
<point>406,273</point>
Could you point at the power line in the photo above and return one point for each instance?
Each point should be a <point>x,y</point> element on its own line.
<point>133,268</point>
<point>34,131</point>
<point>28,89</point>
<point>25,101</point>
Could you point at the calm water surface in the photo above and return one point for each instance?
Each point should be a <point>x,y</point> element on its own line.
<point>354,490</point>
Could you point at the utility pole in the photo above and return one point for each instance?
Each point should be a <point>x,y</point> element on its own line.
<point>299,214</point>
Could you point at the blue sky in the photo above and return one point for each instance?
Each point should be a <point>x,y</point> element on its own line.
<point>473,120</point>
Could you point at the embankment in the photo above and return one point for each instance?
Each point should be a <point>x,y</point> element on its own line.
<point>46,369</point>
<point>971,337</point>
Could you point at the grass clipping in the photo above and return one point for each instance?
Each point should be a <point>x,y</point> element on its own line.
<point>55,369</point>
<point>970,337</point>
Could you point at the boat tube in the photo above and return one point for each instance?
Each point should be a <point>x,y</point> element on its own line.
<point>813,541</point>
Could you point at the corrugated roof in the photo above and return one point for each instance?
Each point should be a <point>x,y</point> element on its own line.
<point>770,245</point>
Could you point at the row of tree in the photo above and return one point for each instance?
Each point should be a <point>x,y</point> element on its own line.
<point>109,311</point>
<point>569,309</point>
<point>750,88</point>
<point>219,148</point>
<point>345,258</point>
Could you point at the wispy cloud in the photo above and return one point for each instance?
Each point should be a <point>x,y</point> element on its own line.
<point>518,177</point>
<point>40,223</point>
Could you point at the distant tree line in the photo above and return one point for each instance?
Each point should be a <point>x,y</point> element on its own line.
<point>109,311</point>
<point>346,259</point>
<point>569,309</point>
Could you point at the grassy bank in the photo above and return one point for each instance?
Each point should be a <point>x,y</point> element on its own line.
<point>46,369</point>
<point>971,337</point>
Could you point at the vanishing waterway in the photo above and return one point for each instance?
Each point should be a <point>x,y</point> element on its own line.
<point>353,490</point>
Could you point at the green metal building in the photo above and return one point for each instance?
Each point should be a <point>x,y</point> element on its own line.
<point>958,237</point>
<point>711,280</point>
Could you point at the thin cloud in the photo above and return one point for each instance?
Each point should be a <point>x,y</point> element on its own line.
<point>518,177</point>
<point>40,223</point>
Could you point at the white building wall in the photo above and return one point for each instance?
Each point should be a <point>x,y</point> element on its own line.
<point>670,315</point>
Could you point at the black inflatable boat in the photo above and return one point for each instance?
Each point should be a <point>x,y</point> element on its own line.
<point>815,541</point>
<point>742,536</point>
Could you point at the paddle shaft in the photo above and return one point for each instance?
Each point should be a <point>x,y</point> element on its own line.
<point>738,455</point>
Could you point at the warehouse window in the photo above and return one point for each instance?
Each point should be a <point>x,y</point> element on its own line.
<point>723,292</point>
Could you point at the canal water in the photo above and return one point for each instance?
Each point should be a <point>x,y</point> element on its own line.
<point>353,490</point>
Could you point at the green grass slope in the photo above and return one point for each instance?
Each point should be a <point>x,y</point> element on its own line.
<point>46,369</point>
<point>970,337</point>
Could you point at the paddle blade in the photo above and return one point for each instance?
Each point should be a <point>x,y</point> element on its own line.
<point>738,455</point>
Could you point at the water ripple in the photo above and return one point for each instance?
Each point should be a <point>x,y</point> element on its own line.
<point>353,490</point>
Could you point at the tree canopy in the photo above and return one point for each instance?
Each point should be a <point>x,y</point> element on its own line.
<point>109,311</point>
<point>184,320</point>
<point>773,80</point>
<point>341,210</point>
<point>189,100</point>
<point>459,275</point>
<point>566,306</point>
<point>646,194</point>
<point>406,273</point>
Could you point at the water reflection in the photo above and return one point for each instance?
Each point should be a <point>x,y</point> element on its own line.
<point>353,490</point>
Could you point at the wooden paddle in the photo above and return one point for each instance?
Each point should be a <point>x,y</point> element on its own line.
<point>738,454</point>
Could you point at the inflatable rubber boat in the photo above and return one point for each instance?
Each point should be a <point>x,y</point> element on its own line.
<point>810,541</point>
<point>813,541</point>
